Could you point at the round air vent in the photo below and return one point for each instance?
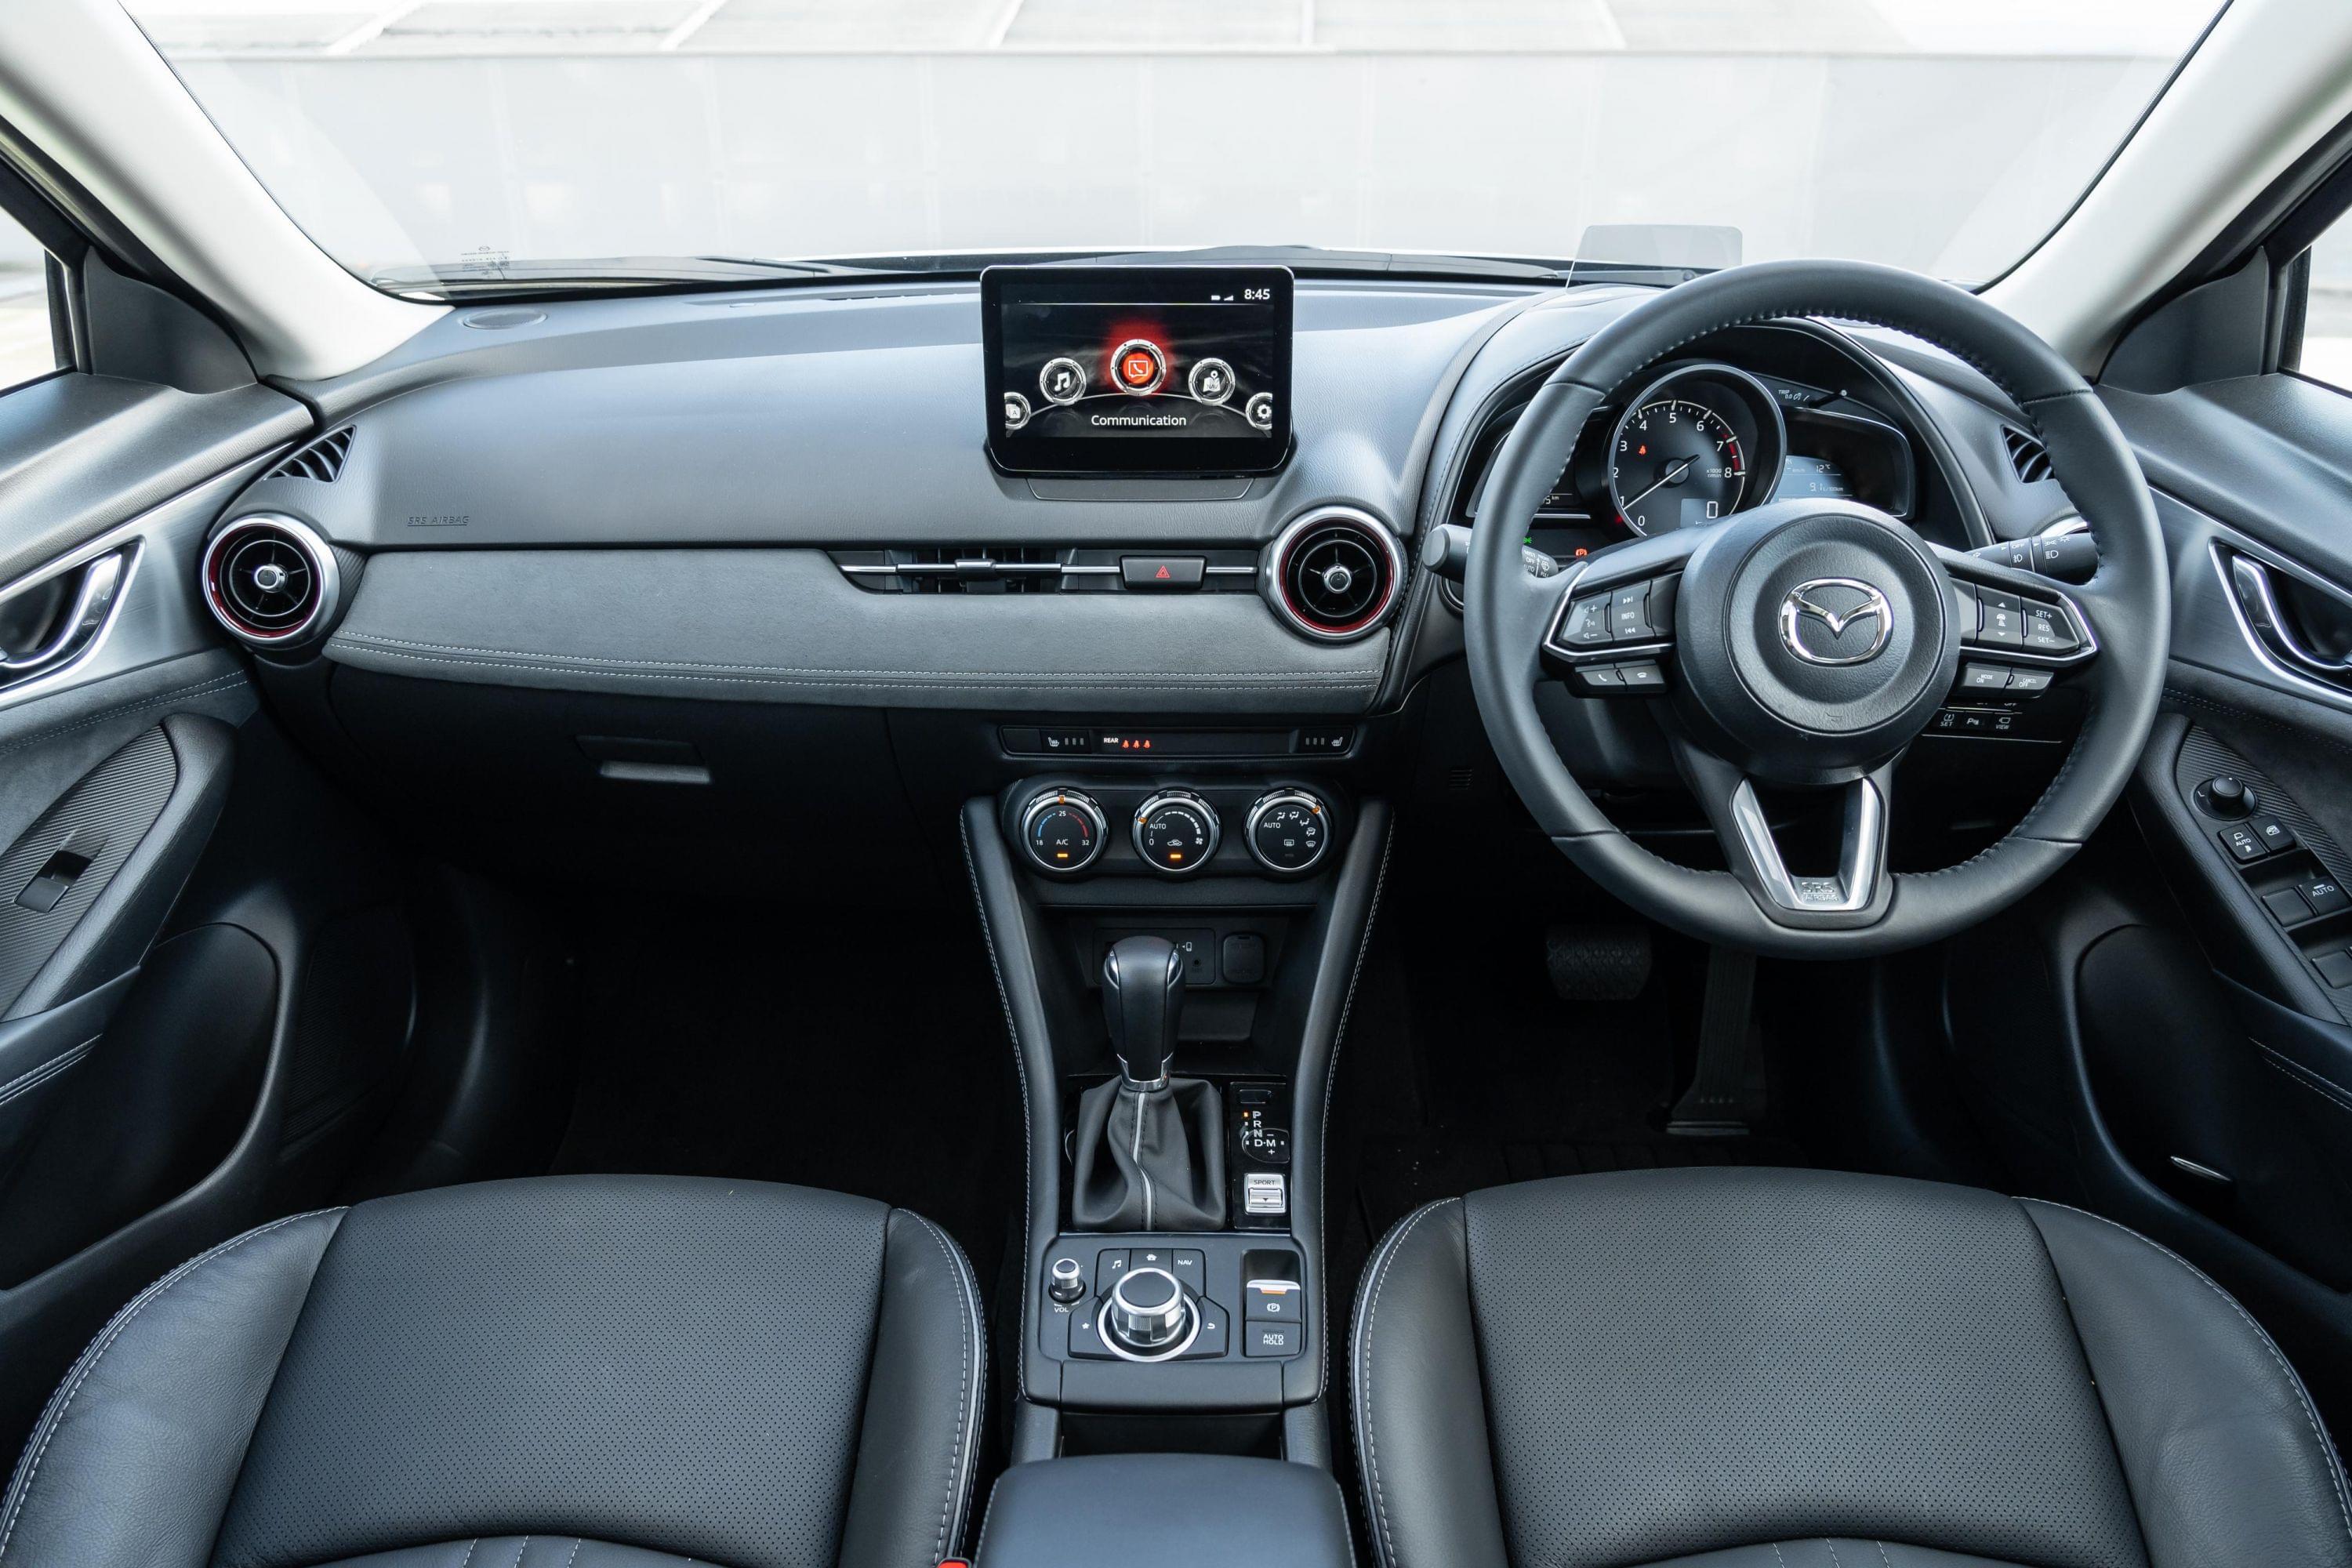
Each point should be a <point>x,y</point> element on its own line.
<point>1334,574</point>
<point>270,579</point>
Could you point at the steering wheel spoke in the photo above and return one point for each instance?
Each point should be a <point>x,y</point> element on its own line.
<point>1618,611</point>
<point>1855,894</point>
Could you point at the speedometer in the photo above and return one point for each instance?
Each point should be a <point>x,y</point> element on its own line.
<point>1700,443</point>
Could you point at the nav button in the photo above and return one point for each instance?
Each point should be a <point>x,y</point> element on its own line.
<point>1161,571</point>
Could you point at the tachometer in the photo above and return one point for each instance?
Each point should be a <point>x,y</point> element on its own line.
<point>1696,447</point>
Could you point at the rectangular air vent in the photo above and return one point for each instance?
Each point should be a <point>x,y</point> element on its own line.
<point>321,460</point>
<point>2026,455</point>
<point>1033,568</point>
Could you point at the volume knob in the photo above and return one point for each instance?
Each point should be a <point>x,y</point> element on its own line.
<point>1148,1314</point>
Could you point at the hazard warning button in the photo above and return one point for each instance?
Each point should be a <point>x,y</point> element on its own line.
<point>1161,571</point>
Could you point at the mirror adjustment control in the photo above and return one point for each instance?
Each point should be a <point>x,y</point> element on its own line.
<point>2227,796</point>
<point>1176,832</point>
<point>1061,831</point>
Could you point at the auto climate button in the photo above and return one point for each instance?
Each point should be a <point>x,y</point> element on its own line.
<point>1176,832</point>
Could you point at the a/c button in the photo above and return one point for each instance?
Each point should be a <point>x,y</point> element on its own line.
<point>1161,571</point>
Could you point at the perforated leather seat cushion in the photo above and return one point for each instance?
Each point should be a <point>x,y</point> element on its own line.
<point>1636,1368</point>
<point>757,1375</point>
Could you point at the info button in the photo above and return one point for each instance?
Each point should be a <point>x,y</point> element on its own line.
<point>1161,571</point>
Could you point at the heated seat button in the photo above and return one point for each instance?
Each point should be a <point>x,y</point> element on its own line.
<point>1161,571</point>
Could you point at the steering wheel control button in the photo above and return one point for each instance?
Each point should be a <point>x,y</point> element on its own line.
<point>1176,832</point>
<point>1629,614</point>
<point>1062,381</point>
<point>2047,630</point>
<point>1970,609</point>
<point>1589,623</point>
<point>1211,381</point>
<point>1642,676</point>
<point>1065,1281</point>
<point>1139,366</point>
<point>1278,1340</point>
<point>2004,619</point>
<point>1063,832</point>
<point>1975,677</point>
<point>2032,682</point>
<point>1161,571</point>
<point>1289,831</point>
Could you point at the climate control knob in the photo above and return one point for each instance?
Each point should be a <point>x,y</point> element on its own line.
<point>1288,830</point>
<point>1176,831</point>
<point>1148,1314</point>
<point>1061,831</point>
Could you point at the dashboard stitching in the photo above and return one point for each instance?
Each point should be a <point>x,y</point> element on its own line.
<point>950,679</point>
<point>217,683</point>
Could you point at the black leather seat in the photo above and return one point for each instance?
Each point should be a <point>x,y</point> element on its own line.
<point>569,1373</point>
<point>1756,1369</point>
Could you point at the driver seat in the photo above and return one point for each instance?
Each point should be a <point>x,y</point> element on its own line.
<point>1785,1369</point>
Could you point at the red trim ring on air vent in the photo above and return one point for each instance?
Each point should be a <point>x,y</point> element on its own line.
<point>270,579</point>
<point>1335,574</point>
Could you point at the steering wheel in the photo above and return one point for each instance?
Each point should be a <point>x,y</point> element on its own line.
<point>1807,643</point>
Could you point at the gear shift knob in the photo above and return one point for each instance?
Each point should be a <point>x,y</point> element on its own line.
<point>1143,1002</point>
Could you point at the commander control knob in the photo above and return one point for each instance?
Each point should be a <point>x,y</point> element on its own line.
<point>1061,831</point>
<point>1288,830</point>
<point>1148,1314</point>
<point>1176,831</point>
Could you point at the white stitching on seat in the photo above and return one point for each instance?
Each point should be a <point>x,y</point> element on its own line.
<point>2327,1459</point>
<point>51,1423</point>
<point>576,1543</point>
<point>968,1390</point>
<point>1380,1280</point>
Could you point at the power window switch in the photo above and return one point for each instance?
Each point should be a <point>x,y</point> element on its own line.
<point>2276,835</point>
<point>2238,839</point>
<point>2287,907</point>
<point>2334,966</point>
<point>1266,1191</point>
<point>2325,895</point>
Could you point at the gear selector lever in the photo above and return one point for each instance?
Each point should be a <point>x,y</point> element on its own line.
<point>1143,1003</point>
<point>1149,1152</point>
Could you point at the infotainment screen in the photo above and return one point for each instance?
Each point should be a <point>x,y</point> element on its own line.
<point>1166,370</point>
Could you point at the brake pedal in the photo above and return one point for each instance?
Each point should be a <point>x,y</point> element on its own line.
<point>1597,964</point>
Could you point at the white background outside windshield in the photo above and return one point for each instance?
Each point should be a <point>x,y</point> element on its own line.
<point>1935,134</point>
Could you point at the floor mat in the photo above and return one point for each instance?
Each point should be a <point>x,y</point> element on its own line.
<point>729,1043</point>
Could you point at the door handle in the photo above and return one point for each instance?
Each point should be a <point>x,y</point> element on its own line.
<point>95,588</point>
<point>2257,594</point>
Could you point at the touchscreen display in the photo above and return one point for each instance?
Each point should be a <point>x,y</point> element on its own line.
<point>1138,369</point>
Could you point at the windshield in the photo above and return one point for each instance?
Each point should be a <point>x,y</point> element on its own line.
<point>536,139</point>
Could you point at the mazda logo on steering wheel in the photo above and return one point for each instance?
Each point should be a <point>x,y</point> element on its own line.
<point>1817,616</point>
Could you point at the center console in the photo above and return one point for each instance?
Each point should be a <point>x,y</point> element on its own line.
<point>1176,935</point>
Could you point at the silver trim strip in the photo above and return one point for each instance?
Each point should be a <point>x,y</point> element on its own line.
<point>1862,852</point>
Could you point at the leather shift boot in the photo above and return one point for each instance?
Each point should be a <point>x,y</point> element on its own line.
<point>1150,1159</point>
